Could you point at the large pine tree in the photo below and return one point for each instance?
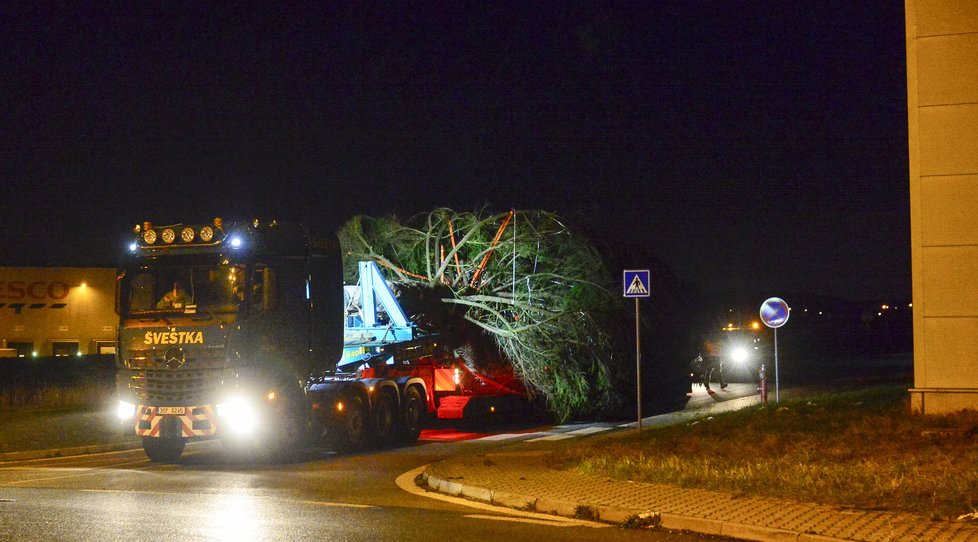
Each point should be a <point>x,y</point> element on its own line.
<point>538,291</point>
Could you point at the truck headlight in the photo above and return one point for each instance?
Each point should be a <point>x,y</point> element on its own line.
<point>739,355</point>
<point>239,415</point>
<point>125,410</point>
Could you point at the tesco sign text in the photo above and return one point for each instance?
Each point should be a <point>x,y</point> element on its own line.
<point>16,290</point>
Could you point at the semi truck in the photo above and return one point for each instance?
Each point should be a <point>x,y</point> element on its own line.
<point>246,332</point>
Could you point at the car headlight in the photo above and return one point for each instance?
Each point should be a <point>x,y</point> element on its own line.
<point>239,415</point>
<point>125,410</point>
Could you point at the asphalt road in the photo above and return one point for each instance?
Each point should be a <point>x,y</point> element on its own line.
<point>121,496</point>
<point>320,496</point>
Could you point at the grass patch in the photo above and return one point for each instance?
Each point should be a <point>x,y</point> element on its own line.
<point>29,429</point>
<point>583,511</point>
<point>647,520</point>
<point>56,382</point>
<point>859,449</point>
<point>58,403</point>
<point>55,396</point>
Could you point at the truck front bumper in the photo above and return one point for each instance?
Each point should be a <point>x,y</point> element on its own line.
<point>175,422</point>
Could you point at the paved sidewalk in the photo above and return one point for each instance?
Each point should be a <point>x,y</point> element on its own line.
<point>519,477</point>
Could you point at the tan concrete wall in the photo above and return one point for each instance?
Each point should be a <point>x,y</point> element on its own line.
<point>44,304</point>
<point>942,98</point>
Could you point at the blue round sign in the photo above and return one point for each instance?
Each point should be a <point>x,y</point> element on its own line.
<point>775,312</point>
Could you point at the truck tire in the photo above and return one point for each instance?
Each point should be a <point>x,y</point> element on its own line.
<point>413,414</point>
<point>385,419</point>
<point>348,431</point>
<point>283,438</point>
<point>292,433</point>
<point>163,450</point>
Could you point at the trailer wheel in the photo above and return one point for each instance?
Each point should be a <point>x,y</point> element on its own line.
<point>349,432</point>
<point>385,419</point>
<point>163,450</point>
<point>412,415</point>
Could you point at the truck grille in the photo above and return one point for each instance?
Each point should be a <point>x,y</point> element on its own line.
<point>150,381</point>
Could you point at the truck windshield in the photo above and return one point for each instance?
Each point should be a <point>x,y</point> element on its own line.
<point>185,288</point>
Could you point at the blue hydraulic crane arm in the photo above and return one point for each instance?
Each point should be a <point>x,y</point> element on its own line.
<point>374,288</point>
<point>368,338</point>
<point>365,334</point>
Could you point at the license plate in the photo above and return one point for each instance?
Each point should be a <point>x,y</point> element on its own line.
<point>172,410</point>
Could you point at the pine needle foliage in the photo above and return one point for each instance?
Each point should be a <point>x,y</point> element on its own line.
<point>541,293</point>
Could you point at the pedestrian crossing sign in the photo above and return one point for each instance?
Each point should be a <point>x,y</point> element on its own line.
<point>636,283</point>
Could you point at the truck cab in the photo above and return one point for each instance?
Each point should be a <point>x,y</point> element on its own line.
<point>220,328</point>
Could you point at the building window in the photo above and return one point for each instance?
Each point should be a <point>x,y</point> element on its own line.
<point>25,349</point>
<point>105,347</point>
<point>64,348</point>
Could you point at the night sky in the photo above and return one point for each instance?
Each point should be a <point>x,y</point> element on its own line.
<point>749,145</point>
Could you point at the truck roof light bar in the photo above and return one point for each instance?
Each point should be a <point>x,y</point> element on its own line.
<point>148,235</point>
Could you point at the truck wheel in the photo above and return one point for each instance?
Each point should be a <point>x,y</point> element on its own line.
<point>412,415</point>
<point>163,450</point>
<point>349,431</point>
<point>385,419</point>
<point>292,433</point>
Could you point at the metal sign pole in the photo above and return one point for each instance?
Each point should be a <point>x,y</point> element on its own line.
<point>777,385</point>
<point>636,284</point>
<point>638,367</point>
<point>775,313</point>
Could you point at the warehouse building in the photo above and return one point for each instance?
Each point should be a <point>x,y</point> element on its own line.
<point>942,99</point>
<point>57,311</point>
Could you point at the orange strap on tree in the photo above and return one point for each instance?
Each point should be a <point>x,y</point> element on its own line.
<point>451,233</point>
<point>492,246</point>
<point>441,261</point>
<point>400,269</point>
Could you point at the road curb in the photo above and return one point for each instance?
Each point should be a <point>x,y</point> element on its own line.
<point>616,515</point>
<point>66,452</point>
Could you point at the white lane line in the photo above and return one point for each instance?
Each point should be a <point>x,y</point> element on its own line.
<point>83,472</point>
<point>143,465</point>
<point>588,430</point>
<point>501,436</point>
<point>332,504</point>
<point>92,465</point>
<point>255,497</point>
<point>406,482</point>
<point>508,436</point>
<point>3,464</point>
<point>94,457</point>
<point>548,438</point>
